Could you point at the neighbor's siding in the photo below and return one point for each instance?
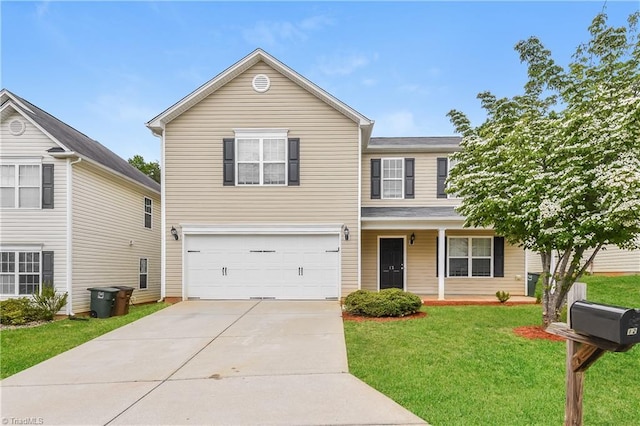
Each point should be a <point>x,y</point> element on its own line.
<point>37,226</point>
<point>108,213</point>
<point>425,181</point>
<point>610,260</point>
<point>328,192</point>
<point>421,266</point>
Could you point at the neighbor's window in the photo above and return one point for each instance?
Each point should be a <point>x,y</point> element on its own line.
<point>148,211</point>
<point>261,160</point>
<point>392,177</point>
<point>470,256</point>
<point>20,186</point>
<point>22,268</point>
<point>143,273</point>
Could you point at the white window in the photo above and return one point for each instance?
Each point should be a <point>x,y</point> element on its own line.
<point>148,212</point>
<point>261,158</point>
<point>470,256</point>
<point>143,273</point>
<point>22,268</point>
<point>452,164</point>
<point>392,178</point>
<point>20,186</point>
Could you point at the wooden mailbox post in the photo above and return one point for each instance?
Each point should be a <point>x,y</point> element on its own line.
<point>582,352</point>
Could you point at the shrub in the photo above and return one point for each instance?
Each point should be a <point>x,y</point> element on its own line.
<point>391,302</point>
<point>503,296</point>
<point>18,311</point>
<point>49,302</point>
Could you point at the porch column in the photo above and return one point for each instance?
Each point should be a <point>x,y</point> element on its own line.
<point>441,262</point>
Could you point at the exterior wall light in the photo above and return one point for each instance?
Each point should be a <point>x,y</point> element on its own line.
<point>346,233</point>
<point>174,232</point>
<point>412,239</point>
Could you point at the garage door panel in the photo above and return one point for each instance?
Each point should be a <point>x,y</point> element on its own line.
<point>278,266</point>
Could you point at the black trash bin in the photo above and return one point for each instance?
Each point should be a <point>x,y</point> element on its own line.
<point>121,307</point>
<point>102,300</point>
<point>532,280</point>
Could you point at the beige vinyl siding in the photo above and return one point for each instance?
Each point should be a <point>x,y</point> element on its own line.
<point>328,192</point>
<point>425,181</point>
<point>421,265</point>
<point>108,213</point>
<point>609,260</point>
<point>37,226</point>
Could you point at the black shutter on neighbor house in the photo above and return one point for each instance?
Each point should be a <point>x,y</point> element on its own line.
<point>47,268</point>
<point>228,162</point>
<point>376,174</point>
<point>294,161</point>
<point>498,256</point>
<point>438,255</point>
<point>443,165</point>
<point>409,177</point>
<point>47,186</point>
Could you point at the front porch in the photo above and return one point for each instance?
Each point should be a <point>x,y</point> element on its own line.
<point>410,257</point>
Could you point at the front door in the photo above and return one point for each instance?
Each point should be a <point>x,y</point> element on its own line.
<point>391,263</point>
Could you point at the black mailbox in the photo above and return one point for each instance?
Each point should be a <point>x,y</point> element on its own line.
<point>613,323</point>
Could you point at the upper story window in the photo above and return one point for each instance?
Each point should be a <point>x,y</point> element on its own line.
<point>392,178</point>
<point>148,212</point>
<point>470,256</point>
<point>261,157</point>
<point>20,186</point>
<point>452,164</point>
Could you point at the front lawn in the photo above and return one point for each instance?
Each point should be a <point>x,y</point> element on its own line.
<point>22,348</point>
<point>463,365</point>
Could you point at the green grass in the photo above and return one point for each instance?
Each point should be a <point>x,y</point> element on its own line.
<point>24,347</point>
<point>463,365</point>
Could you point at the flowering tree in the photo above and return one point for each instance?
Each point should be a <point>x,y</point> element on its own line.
<point>557,169</point>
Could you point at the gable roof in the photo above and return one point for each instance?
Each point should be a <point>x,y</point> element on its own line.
<point>156,124</point>
<point>70,140</point>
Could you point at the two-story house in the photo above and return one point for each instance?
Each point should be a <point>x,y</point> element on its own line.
<point>72,213</point>
<point>273,188</point>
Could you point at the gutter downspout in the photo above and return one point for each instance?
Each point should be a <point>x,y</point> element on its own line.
<point>163,215</point>
<point>70,233</point>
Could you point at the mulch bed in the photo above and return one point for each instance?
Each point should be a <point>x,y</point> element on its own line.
<point>358,318</point>
<point>536,332</point>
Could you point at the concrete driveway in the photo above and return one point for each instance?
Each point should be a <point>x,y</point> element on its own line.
<point>206,362</point>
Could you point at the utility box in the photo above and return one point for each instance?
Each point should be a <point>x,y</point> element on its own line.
<point>613,323</point>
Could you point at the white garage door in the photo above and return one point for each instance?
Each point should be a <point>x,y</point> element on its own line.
<point>269,266</point>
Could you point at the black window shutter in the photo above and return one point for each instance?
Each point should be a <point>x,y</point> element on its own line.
<point>376,173</point>
<point>498,256</point>
<point>438,255</point>
<point>409,177</point>
<point>47,268</point>
<point>47,186</point>
<point>443,165</point>
<point>228,162</point>
<point>294,161</point>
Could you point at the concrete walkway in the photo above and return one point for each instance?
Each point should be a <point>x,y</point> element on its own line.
<point>206,362</point>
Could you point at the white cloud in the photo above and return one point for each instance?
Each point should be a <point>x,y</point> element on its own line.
<point>272,34</point>
<point>369,82</point>
<point>397,123</point>
<point>42,8</point>
<point>340,64</point>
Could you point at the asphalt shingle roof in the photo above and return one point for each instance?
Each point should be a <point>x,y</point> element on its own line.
<point>83,145</point>
<point>427,141</point>
<point>410,212</point>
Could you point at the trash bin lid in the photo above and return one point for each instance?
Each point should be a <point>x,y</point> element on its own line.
<point>123,287</point>
<point>106,289</point>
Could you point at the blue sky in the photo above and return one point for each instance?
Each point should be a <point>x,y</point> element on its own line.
<point>106,68</point>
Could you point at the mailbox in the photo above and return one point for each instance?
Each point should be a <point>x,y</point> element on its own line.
<point>613,323</point>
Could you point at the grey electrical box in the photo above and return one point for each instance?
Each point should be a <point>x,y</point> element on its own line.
<point>613,323</point>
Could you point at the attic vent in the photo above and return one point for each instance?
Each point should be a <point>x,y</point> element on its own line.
<point>17,127</point>
<point>261,83</point>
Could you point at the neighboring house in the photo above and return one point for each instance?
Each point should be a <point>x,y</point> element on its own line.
<point>273,188</point>
<point>610,260</point>
<point>72,213</point>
